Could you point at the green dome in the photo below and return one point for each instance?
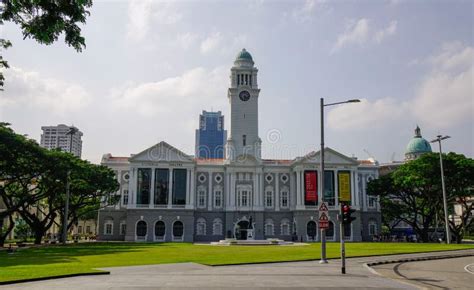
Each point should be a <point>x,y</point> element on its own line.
<point>418,144</point>
<point>244,55</point>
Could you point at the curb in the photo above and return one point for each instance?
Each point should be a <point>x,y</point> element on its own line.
<point>54,277</point>
<point>417,259</point>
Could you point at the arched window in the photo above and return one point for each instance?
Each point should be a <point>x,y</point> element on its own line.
<point>178,231</point>
<point>141,230</point>
<point>330,231</point>
<point>160,231</point>
<point>284,197</point>
<point>201,227</point>
<point>201,198</point>
<point>311,230</point>
<point>269,228</point>
<point>269,197</point>
<point>217,227</point>
<point>285,227</point>
<point>109,227</point>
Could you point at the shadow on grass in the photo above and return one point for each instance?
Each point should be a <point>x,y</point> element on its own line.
<point>69,253</point>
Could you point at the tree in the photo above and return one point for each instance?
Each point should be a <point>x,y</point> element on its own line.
<point>91,185</point>
<point>413,193</point>
<point>20,162</point>
<point>33,182</point>
<point>44,21</point>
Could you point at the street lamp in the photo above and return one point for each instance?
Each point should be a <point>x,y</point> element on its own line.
<point>445,203</point>
<point>323,231</point>
<point>71,132</point>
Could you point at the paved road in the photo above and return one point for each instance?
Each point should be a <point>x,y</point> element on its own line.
<point>457,273</point>
<point>294,275</point>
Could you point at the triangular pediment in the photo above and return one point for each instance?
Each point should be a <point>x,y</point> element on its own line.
<point>161,152</point>
<point>246,160</point>
<point>330,157</point>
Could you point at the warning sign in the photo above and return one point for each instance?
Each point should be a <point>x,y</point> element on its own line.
<point>323,220</point>
<point>323,207</point>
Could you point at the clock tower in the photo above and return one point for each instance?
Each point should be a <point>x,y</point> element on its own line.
<point>243,98</point>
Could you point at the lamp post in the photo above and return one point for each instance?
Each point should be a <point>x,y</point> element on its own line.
<point>321,169</point>
<point>71,132</point>
<point>445,203</point>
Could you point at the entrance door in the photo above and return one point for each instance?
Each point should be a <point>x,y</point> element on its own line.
<point>241,230</point>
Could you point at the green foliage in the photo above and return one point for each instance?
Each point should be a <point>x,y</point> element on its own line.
<point>413,192</point>
<point>88,257</point>
<point>44,21</point>
<point>34,182</point>
<point>22,230</point>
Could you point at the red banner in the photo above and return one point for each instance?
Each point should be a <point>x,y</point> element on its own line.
<point>311,186</point>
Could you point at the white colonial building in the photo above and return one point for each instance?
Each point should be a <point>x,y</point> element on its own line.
<point>167,195</point>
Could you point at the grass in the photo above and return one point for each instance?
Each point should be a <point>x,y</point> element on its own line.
<point>87,257</point>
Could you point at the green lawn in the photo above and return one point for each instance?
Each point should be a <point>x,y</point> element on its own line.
<point>83,258</point>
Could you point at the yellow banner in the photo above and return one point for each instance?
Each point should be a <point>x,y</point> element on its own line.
<point>344,185</point>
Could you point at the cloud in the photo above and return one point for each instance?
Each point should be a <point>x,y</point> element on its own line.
<point>366,114</point>
<point>31,89</point>
<point>382,34</point>
<point>145,14</point>
<point>445,96</point>
<point>217,43</point>
<point>211,43</point>
<point>174,98</point>
<point>356,33</point>
<point>360,33</point>
<point>186,40</point>
<point>443,99</point>
<point>304,13</point>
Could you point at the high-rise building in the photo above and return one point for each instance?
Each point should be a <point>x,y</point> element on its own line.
<point>56,137</point>
<point>211,136</point>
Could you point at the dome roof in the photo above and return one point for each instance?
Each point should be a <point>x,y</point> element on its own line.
<point>418,144</point>
<point>244,55</point>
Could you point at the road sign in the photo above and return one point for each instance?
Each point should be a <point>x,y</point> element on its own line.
<point>323,207</point>
<point>323,220</point>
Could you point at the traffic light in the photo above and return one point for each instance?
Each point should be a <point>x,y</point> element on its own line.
<point>346,212</point>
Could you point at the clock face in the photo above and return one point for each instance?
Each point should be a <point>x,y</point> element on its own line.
<point>244,96</point>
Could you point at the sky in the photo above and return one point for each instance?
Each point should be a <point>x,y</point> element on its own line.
<point>151,67</point>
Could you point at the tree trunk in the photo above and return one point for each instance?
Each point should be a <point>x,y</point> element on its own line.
<point>3,235</point>
<point>38,237</point>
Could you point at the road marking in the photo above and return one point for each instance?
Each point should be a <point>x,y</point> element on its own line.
<point>469,268</point>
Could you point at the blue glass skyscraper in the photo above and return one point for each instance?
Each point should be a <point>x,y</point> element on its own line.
<point>211,136</point>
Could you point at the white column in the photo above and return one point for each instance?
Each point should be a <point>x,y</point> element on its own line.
<point>170,191</point>
<point>133,188</point>
<point>227,190</point>
<point>363,195</point>
<point>298,189</point>
<point>262,190</point>
<point>120,191</point>
<point>152,188</point>
<point>193,189</point>
<point>356,189</point>
<point>255,190</point>
<point>209,195</point>
<point>232,190</point>
<point>277,191</point>
<point>188,186</point>
<point>336,188</point>
<point>353,192</point>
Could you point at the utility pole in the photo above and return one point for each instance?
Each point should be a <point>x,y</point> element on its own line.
<point>71,132</point>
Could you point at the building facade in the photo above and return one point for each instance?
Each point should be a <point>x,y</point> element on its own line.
<point>56,137</point>
<point>211,136</point>
<point>167,195</point>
